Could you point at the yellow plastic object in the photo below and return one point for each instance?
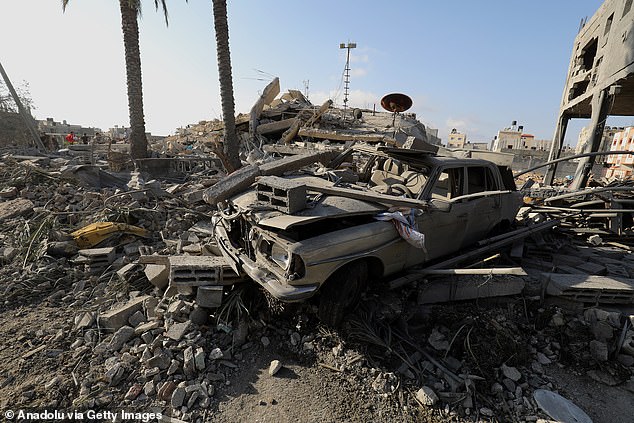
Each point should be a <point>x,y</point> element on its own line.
<point>93,234</point>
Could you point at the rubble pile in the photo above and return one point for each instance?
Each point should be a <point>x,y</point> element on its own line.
<point>121,297</point>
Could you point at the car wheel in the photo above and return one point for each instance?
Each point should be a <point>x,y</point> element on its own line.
<point>341,293</point>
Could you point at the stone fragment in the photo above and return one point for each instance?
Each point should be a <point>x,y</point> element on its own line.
<point>136,319</point>
<point>173,368</point>
<point>216,354</point>
<point>199,359</point>
<point>486,412</point>
<point>511,372</point>
<point>598,350</point>
<point>117,317</point>
<point>166,390</point>
<point>157,274</point>
<point>149,388</point>
<point>275,367</point>
<point>189,366</point>
<point>84,320</point>
<point>427,396</point>
<point>178,397</point>
<point>265,341</point>
<point>160,360</point>
<point>120,337</point>
<point>199,316</point>
<point>438,340</point>
<point>134,391</point>
<point>509,384</point>
<point>145,327</point>
<point>178,330</point>
<point>115,374</point>
<point>542,359</point>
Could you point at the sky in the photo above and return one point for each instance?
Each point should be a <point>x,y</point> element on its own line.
<point>470,65</point>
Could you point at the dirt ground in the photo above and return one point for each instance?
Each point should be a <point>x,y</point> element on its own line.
<point>38,368</point>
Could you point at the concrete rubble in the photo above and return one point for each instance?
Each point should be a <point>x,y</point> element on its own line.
<point>163,322</point>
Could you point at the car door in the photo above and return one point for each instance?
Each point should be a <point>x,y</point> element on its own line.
<point>484,211</point>
<point>444,222</point>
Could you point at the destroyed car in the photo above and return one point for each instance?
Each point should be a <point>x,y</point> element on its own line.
<point>302,234</point>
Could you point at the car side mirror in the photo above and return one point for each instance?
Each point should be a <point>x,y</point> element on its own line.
<point>439,205</point>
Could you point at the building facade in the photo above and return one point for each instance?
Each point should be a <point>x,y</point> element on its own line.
<point>621,165</point>
<point>456,139</point>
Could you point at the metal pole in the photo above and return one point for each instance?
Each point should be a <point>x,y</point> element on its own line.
<point>26,116</point>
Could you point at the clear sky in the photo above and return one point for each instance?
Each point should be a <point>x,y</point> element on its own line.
<point>470,65</point>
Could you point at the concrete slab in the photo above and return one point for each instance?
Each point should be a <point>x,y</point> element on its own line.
<point>468,287</point>
<point>590,288</point>
<point>118,316</point>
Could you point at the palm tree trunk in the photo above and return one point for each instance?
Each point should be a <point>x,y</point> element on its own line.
<point>232,160</point>
<point>130,28</point>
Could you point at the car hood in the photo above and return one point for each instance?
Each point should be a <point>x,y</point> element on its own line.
<point>328,206</point>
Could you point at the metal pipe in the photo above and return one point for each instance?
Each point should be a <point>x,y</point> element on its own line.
<point>576,156</point>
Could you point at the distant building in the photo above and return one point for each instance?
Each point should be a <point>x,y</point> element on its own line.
<point>514,138</point>
<point>50,127</point>
<point>621,164</point>
<point>606,140</point>
<point>456,139</point>
<point>509,138</point>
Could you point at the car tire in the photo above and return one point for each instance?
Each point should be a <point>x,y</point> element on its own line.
<point>342,292</point>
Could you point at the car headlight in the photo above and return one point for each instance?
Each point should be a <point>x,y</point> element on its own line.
<point>280,256</point>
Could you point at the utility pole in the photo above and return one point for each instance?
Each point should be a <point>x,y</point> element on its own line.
<point>347,73</point>
<point>26,116</point>
<point>306,85</point>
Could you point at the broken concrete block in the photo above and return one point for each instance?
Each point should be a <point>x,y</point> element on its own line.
<point>427,396</point>
<point>275,367</point>
<point>195,270</point>
<point>118,316</point>
<point>120,337</point>
<point>189,365</point>
<point>157,274</point>
<point>84,320</point>
<point>124,273</point>
<point>511,372</point>
<point>97,260</point>
<point>178,330</point>
<point>199,359</point>
<point>15,208</point>
<point>209,296</point>
<point>145,327</point>
<point>178,397</point>
<point>136,319</point>
<point>233,184</point>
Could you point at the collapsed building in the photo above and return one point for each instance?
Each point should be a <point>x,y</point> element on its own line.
<point>598,83</point>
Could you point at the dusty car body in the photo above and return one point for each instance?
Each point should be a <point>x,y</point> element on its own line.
<point>333,242</point>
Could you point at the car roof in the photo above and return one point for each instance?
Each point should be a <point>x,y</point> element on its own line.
<point>426,158</point>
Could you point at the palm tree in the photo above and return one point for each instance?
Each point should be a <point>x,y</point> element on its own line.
<point>130,10</point>
<point>229,156</point>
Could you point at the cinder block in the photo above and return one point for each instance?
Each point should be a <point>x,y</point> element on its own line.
<point>282,194</point>
<point>195,270</point>
<point>157,274</point>
<point>97,259</point>
<point>209,296</point>
<point>118,317</point>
